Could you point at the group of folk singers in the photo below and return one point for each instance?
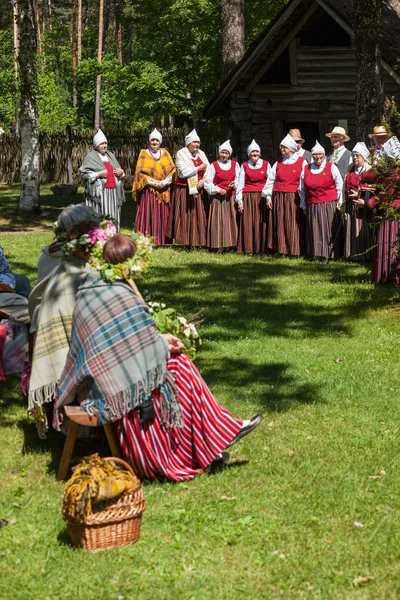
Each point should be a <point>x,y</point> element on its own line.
<point>307,203</point>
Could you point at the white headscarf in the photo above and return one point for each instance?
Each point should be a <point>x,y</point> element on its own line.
<point>253,146</point>
<point>317,148</point>
<point>362,149</point>
<point>99,138</point>
<point>226,146</point>
<point>289,142</point>
<point>155,135</point>
<point>191,137</point>
<point>391,148</point>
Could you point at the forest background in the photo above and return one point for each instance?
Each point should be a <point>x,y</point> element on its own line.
<point>159,58</point>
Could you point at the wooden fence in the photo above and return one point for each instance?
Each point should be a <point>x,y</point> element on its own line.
<point>57,148</point>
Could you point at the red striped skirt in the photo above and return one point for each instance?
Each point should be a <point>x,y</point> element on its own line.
<point>253,224</point>
<point>179,453</point>
<point>152,217</point>
<point>287,225</point>
<point>187,223</point>
<point>386,265</point>
<point>222,225</point>
<point>323,230</point>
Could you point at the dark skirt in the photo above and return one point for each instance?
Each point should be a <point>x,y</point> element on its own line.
<point>253,224</point>
<point>152,217</point>
<point>359,237</point>
<point>386,265</point>
<point>323,230</point>
<point>287,225</point>
<point>222,225</point>
<point>187,223</point>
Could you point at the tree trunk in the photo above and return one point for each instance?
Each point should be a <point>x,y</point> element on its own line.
<point>73,52</point>
<point>50,15</point>
<point>30,176</point>
<point>79,49</point>
<point>118,30</point>
<point>106,23</point>
<point>99,59</point>
<point>129,45</point>
<point>16,53</point>
<point>370,98</point>
<point>232,32</point>
<point>36,10</point>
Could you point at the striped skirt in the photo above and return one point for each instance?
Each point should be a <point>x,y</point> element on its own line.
<point>187,223</point>
<point>287,225</point>
<point>358,236</point>
<point>222,229</point>
<point>386,265</point>
<point>109,205</point>
<point>323,230</point>
<point>155,452</point>
<point>152,217</point>
<point>253,224</point>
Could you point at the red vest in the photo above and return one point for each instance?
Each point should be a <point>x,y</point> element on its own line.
<point>353,181</point>
<point>390,187</point>
<point>288,176</point>
<point>110,183</point>
<point>223,178</point>
<point>200,174</point>
<point>254,179</point>
<point>320,187</point>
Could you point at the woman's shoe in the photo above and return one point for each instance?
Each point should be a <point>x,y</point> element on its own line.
<point>247,428</point>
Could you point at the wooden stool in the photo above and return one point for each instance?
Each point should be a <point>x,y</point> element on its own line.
<point>77,416</point>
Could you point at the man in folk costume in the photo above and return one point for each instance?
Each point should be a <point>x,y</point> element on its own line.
<point>155,171</point>
<point>296,135</point>
<point>220,183</point>
<point>380,135</point>
<point>253,211</point>
<point>187,222</point>
<point>340,156</point>
<point>104,190</point>
<point>287,224</point>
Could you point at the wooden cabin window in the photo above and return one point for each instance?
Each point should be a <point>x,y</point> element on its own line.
<point>279,71</point>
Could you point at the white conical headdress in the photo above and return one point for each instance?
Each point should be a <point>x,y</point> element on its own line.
<point>226,146</point>
<point>192,137</point>
<point>253,146</point>
<point>289,142</point>
<point>391,148</point>
<point>317,148</point>
<point>155,135</point>
<point>99,138</point>
<point>362,149</point>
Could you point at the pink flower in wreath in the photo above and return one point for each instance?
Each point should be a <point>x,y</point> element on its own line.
<point>98,234</point>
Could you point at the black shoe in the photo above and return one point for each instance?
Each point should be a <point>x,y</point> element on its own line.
<point>254,422</point>
<point>222,458</point>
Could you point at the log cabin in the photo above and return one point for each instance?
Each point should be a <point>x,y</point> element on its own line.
<point>301,72</point>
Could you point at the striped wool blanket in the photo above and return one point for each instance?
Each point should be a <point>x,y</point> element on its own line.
<point>158,169</point>
<point>116,355</point>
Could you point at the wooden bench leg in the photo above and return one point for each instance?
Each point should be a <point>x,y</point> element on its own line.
<point>112,440</point>
<point>67,451</point>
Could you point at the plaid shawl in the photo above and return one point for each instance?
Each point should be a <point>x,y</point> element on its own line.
<point>53,335</point>
<point>148,166</point>
<point>94,189</point>
<point>116,355</point>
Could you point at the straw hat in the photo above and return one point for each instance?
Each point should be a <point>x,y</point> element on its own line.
<point>378,130</point>
<point>338,131</point>
<point>296,135</point>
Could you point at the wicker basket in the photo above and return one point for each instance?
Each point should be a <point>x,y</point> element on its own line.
<point>116,524</point>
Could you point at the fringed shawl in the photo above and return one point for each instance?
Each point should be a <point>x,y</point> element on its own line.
<point>53,336</point>
<point>149,167</point>
<point>116,355</point>
<point>94,189</point>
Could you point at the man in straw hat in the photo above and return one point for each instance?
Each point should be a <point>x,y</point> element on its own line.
<point>340,156</point>
<point>379,137</point>
<point>296,135</point>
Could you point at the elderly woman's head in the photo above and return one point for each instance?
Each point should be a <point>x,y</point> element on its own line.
<point>318,154</point>
<point>119,248</point>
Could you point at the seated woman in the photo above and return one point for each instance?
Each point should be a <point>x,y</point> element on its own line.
<point>170,425</point>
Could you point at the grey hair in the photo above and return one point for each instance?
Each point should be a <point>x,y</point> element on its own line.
<point>74,214</point>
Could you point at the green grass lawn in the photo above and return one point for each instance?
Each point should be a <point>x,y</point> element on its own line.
<point>309,501</point>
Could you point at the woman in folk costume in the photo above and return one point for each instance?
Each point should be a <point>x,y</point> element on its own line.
<point>320,192</point>
<point>359,236</point>
<point>169,423</point>
<point>253,212</point>
<point>187,222</point>
<point>380,192</point>
<point>151,189</point>
<point>220,184</point>
<point>287,223</point>
<point>104,190</point>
